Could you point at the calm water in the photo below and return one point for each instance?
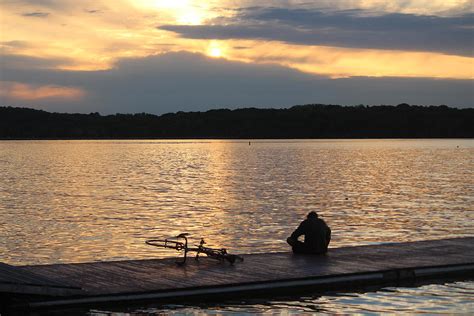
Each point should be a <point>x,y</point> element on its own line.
<point>450,298</point>
<point>75,201</point>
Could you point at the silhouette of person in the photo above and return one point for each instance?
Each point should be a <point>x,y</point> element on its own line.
<point>317,236</point>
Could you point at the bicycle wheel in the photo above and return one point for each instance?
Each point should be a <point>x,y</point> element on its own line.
<point>164,243</point>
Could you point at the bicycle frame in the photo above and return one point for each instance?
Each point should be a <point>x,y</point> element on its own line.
<point>174,243</point>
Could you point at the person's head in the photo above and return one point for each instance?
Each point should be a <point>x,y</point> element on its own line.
<point>312,214</point>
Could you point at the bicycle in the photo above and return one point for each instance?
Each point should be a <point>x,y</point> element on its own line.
<point>219,254</point>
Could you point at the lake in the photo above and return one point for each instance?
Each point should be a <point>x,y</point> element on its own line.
<point>77,201</point>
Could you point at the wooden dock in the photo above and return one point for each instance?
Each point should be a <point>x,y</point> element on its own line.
<point>15,280</point>
<point>341,268</point>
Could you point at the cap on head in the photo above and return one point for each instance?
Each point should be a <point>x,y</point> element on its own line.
<point>312,214</point>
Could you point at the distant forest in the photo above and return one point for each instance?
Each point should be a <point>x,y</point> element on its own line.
<point>302,121</point>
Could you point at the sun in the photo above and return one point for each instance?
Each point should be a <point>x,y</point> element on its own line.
<point>214,50</point>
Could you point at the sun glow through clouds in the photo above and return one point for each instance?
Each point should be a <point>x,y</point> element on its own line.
<point>183,11</point>
<point>425,39</point>
<point>214,50</point>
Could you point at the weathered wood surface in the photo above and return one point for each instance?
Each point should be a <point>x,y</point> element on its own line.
<point>163,275</point>
<point>18,280</point>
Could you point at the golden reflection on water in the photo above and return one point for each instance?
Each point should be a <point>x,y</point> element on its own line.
<point>74,201</point>
<point>449,298</point>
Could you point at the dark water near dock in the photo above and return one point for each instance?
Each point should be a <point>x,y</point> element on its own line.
<point>76,201</point>
<point>453,297</point>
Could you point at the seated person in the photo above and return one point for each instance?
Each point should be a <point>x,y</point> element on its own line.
<point>317,236</point>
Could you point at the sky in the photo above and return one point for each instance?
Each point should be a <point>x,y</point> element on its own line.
<point>160,56</point>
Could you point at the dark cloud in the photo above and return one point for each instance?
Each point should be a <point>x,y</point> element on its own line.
<point>28,62</point>
<point>189,82</point>
<point>450,35</point>
<point>93,11</point>
<point>36,14</point>
<point>36,3</point>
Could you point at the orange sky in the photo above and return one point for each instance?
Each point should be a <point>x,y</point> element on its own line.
<point>96,35</point>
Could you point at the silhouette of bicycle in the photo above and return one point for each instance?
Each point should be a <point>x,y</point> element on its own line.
<point>175,243</point>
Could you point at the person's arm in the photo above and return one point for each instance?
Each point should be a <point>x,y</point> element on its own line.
<point>299,231</point>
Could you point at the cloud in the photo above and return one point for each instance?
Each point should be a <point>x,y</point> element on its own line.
<point>34,2</point>
<point>350,28</point>
<point>44,4</point>
<point>14,44</point>
<point>26,92</point>
<point>93,11</point>
<point>424,7</point>
<point>29,62</point>
<point>192,82</point>
<point>36,14</point>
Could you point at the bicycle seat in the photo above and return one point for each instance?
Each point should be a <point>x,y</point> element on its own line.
<point>182,235</point>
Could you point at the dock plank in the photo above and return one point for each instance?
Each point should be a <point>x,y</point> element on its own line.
<point>16,280</point>
<point>142,278</point>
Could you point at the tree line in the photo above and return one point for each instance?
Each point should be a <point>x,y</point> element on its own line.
<point>301,121</point>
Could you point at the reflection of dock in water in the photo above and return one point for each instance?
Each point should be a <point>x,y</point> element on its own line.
<point>341,268</point>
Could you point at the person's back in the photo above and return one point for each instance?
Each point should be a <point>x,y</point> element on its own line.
<point>317,236</point>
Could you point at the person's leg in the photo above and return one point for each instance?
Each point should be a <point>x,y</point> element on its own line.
<point>291,241</point>
<point>296,245</point>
